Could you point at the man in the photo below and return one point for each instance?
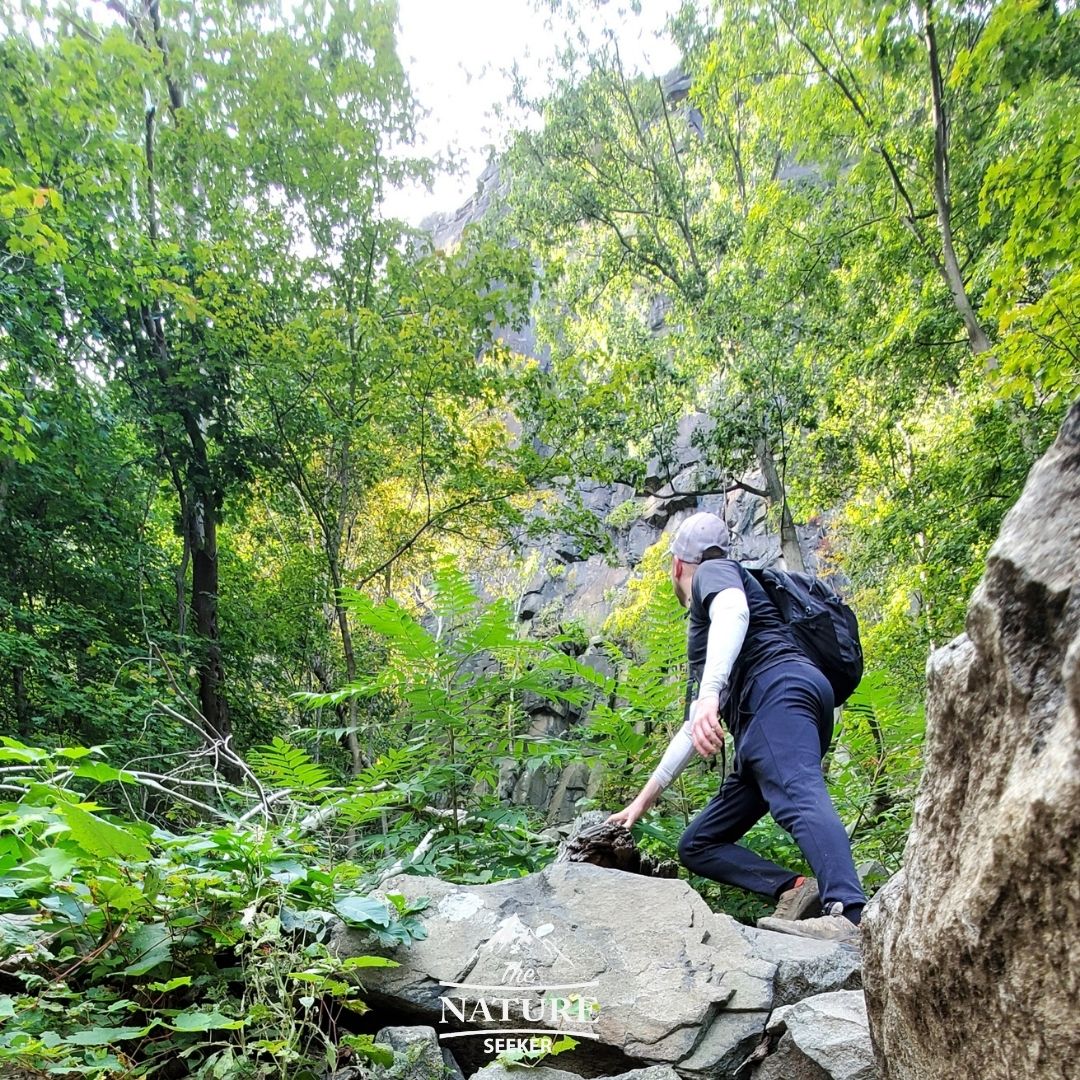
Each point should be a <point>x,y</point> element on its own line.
<point>779,710</point>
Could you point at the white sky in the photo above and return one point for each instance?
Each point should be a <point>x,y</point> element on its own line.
<point>458,54</point>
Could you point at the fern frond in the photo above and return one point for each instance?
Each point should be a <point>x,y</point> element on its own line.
<point>285,765</point>
<point>455,596</point>
<point>492,631</point>
<point>391,621</point>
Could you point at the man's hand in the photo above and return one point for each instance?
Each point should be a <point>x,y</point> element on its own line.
<point>707,733</point>
<point>629,814</point>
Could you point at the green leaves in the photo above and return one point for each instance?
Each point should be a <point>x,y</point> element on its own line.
<point>99,837</point>
<point>149,946</point>
<point>200,1020</point>
<point>106,1036</point>
<point>363,909</point>
<point>149,943</point>
<point>289,767</point>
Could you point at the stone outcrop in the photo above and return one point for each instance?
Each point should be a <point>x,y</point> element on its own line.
<point>820,1038</point>
<point>805,967</point>
<point>676,984</point>
<point>973,951</point>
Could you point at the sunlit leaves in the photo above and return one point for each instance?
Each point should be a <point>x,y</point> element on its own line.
<point>288,766</point>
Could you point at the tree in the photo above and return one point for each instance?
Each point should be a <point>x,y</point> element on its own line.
<point>183,156</point>
<point>383,392</point>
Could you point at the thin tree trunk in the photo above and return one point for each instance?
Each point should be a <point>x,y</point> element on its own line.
<point>352,741</point>
<point>789,537</point>
<point>202,538</point>
<point>950,265</point>
<point>22,706</point>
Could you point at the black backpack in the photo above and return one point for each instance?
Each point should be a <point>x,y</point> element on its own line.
<point>825,627</point>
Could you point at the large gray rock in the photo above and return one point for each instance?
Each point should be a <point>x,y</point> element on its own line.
<point>972,953</point>
<point>821,1038</point>
<point>676,983</point>
<point>805,966</point>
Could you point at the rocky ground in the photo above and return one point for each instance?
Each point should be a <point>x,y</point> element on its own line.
<point>676,985</point>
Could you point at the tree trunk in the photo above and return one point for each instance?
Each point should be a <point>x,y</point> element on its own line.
<point>789,537</point>
<point>352,741</point>
<point>950,265</point>
<point>202,539</point>
<point>22,706</point>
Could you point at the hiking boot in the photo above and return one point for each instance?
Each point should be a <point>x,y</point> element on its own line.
<point>833,926</point>
<point>801,901</point>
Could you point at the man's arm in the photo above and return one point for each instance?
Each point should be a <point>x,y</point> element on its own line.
<point>729,617</point>
<point>678,754</point>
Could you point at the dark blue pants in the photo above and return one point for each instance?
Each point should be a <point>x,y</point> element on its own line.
<point>787,725</point>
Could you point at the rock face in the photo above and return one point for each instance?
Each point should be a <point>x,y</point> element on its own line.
<point>675,984</point>
<point>973,952</point>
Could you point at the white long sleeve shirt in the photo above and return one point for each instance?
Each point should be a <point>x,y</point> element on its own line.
<point>729,617</point>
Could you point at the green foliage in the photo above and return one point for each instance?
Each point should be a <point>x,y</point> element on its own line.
<point>778,250</point>
<point>127,938</point>
<point>874,770</point>
<point>459,680</point>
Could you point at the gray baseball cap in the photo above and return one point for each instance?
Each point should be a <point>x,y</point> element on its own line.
<point>697,534</point>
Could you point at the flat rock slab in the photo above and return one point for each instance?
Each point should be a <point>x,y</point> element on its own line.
<point>674,983</point>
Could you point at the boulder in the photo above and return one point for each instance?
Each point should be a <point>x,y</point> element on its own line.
<point>805,966</point>
<point>675,983</point>
<point>972,952</point>
<point>825,1037</point>
<point>417,1055</point>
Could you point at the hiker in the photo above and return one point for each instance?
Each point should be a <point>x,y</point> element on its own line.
<point>778,707</point>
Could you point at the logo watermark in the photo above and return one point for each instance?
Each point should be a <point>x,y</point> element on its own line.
<point>563,1009</point>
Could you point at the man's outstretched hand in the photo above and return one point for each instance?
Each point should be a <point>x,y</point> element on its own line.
<point>629,815</point>
<point>707,733</point>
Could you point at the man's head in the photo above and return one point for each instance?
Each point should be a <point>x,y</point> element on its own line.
<point>700,537</point>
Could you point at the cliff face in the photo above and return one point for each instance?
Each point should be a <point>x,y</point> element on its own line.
<point>973,950</point>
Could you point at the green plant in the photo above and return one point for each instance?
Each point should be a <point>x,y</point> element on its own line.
<point>460,680</point>
<point>126,939</point>
<point>530,1057</point>
<point>624,515</point>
